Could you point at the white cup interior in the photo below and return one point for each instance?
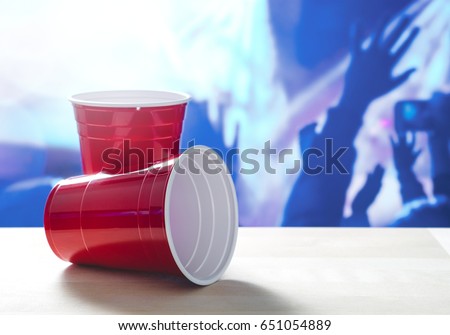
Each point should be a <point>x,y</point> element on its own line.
<point>201,217</point>
<point>130,98</point>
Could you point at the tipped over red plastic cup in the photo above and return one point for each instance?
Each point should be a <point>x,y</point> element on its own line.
<point>124,131</point>
<point>178,217</point>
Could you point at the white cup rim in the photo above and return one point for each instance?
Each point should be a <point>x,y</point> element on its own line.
<point>130,98</point>
<point>207,237</point>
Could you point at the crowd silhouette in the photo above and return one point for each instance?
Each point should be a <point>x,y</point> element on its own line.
<point>319,199</point>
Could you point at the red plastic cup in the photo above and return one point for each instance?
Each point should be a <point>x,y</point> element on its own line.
<point>126,155</point>
<point>139,118</point>
<point>176,217</point>
<point>142,132</point>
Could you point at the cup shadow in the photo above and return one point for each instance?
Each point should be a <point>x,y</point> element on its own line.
<point>125,292</point>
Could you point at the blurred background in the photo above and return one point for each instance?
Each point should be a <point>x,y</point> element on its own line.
<point>257,70</point>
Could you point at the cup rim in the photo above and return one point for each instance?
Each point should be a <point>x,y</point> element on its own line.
<point>225,254</point>
<point>130,98</point>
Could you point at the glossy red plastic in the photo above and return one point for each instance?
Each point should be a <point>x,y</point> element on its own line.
<point>129,116</point>
<point>115,156</point>
<point>112,221</point>
<point>142,132</point>
<point>146,120</point>
<point>160,219</point>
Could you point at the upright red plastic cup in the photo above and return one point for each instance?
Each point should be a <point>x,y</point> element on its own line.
<point>123,131</point>
<point>179,217</point>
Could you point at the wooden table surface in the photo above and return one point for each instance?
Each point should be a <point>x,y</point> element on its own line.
<point>274,271</point>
